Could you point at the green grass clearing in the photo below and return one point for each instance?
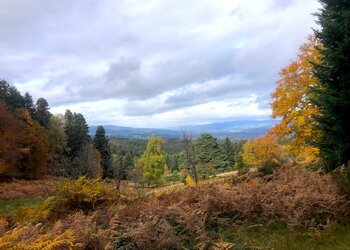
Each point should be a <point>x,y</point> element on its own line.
<point>11,205</point>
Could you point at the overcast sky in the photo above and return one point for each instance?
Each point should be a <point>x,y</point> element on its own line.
<point>152,63</point>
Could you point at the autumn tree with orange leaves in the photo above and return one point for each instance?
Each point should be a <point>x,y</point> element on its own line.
<point>260,151</point>
<point>291,103</point>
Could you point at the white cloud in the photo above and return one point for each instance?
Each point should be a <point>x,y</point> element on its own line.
<point>153,63</point>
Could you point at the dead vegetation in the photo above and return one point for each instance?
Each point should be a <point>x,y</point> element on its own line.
<point>293,195</point>
<point>77,231</point>
<point>79,216</point>
<point>83,214</point>
<point>28,189</point>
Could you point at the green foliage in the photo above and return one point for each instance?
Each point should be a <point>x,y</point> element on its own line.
<point>278,236</point>
<point>121,162</point>
<point>57,135</point>
<point>101,143</point>
<point>209,158</point>
<point>7,206</point>
<point>76,130</point>
<point>87,162</point>
<point>173,161</point>
<point>58,139</point>
<point>11,96</point>
<point>268,167</point>
<point>239,164</point>
<point>228,153</point>
<point>42,112</point>
<point>342,176</point>
<point>333,89</point>
<point>172,177</point>
<point>153,161</point>
<point>29,104</point>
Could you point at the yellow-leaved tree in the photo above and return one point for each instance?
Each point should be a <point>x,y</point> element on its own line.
<point>260,151</point>
<point>292,103</point>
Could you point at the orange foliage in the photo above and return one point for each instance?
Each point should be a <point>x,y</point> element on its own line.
<point>36,147</point>
<point>10,137</point>
<point>291,102</point>
<point>24,145</point>
<point>263,149</point>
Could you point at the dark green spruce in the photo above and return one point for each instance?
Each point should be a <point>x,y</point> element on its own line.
<point>101,143</point>
<point>42,112</point>
<point>332,93</point>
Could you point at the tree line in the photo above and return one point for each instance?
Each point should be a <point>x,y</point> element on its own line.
<point>35,143</point>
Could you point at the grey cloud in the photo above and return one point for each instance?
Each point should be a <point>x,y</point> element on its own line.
<point>229,87</point>
<point>180,53</point>
<point>123,69</point>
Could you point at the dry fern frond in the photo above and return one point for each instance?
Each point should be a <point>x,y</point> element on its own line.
<point>45,242</point>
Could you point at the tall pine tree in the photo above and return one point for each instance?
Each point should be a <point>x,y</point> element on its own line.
<point>101,143</point>
<point>42,113</point>
<point>29,104</point>
<point>76,130</point>
<point>332,93</point>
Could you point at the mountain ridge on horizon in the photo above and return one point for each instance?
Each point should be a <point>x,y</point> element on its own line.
<point>236,130</point>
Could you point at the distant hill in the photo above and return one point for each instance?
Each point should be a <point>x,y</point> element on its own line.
<point>236,130</point>
<point>141,133</point>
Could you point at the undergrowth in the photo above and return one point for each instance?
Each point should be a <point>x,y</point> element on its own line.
<point>291,209</point>
<point>294,196</point>
<point>19,189</point>
<point>78,217</point>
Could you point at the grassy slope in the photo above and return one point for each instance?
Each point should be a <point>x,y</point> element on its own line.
<point>278,236</point>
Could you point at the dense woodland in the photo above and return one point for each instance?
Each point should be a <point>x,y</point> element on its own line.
<point>288,189</point>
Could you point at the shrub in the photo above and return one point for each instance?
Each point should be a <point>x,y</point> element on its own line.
<point>268,167</point>
<point>82,194</point>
